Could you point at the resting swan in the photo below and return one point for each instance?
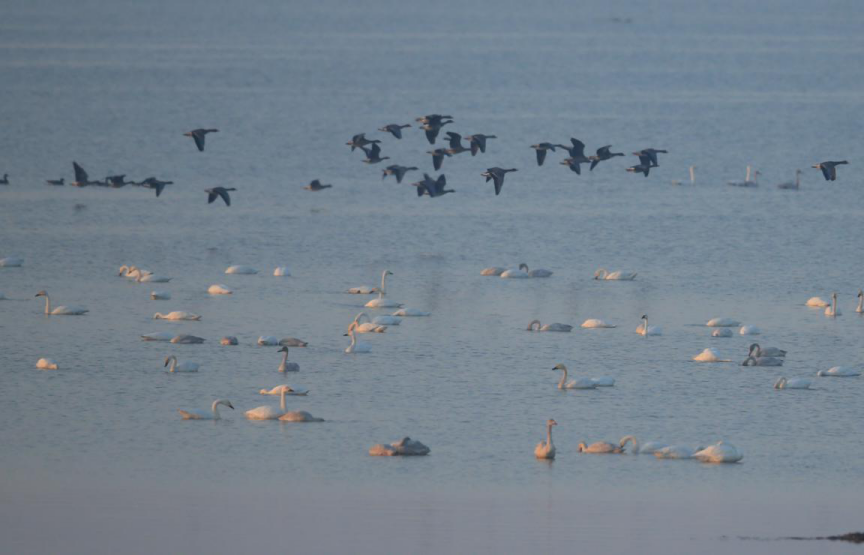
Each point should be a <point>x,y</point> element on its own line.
<point>646,448</point>
<point>538,273</point>
<point>288,390</point>
<point>617,275</point>
<point>286,366</point>
<point>282,271</point>
<point>595,323</point>
<point>838,372</point>
<point>722,323</point>
<point>600,448</point>
<point>219,289</point>
<point>356,346</point>
<point>47,364</point>
<point>722,332</point>
<point>11,262</point>
<point>581,383</point>
<point>832,310</point>
<point>61,310</point>
<point>176,315</point>
<point>381,302</point>
<point>148,277</point>
<point>493,271</point>
<point>181,367</point>
<point>204,415</point>
<point>719,453</point>
<point>709,355</point>
<point>405,447</point>
<point>160,295</point>
<point>411,312</point>
<point>368,326</point>
<point>536,326</point>
<point>516,273</point>
<point>817,302</point>
<point>676,452</point>
<point>645,330</point>
<point>794,383</point>
<point>246,270</point>
<point>757,351</point>
<point>749,330</point>
<point>546,449</point>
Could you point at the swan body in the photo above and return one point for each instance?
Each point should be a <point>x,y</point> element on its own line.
<point>160,295</point>
<point>405,447</point>
<point>299,416</point>
<point>758,351</point>
<point>676,452</point>
<point>288,390</point>
<point>186,339</point>
<point>148,277</point>
<point>719,453</point>
<point>367,326</point>
<point>286,366</point>
<point>721,332</point>
<point>362,290</point>
<point>282,271</point>
<point>794,383</point>
<point>204,415</point>
<point>158,336</point>
<point>580,383</point>
<point>228,340</point>
<point>493,271</point>
<point>645,330</point>
<point>245,270</point>
<point>596,323</point>
<point>762,361</point>
<point>600,448</point>
<point>176,315</point>
<point>61,310</point>
<point>838,372</point>
<point>356,346</point>
<point>11,262</point>
<point>617,275</point>
<point>817,302</point>
<point>604,381</point>
<point>722,323</point>
<point>185,366</point>
<point>749,330</point>
<point>382,302</point>
<point>267,412</point>
<point>386,320</point>
<point>47,364</point>
<point>833,310</point>
<point>647,448</point>
<point>536,326</point>
<point>219,289</point>
<point>709,355</point>
<point>515,273</point>
<point>411,312</point>
<point>538,273</point>
<point>292,342</point>
<point>268,341</point>
<point>546,449</point>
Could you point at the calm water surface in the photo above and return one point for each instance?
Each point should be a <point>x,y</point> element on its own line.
<point>113,85</point>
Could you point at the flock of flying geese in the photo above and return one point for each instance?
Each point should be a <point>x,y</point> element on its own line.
<point>432,125</point>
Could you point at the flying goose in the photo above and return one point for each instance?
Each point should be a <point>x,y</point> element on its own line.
<point>198,135</point>
<point>219,192</point>
<point>359,141</point>
<point>316,185</point>
<point>438,157</point>
<point>455,140</point>
<point>644,165</point>
<point>394,129</point>
<point>81,178</point>
<point>602,155</point>
<point>478,142</point>
<point>432,125</point>
<point>577,155</point>
<point>497,175</point>
<point>156,184</point>
<point>373,155</point>
<point>541,149</point>
<point>829,169</point>
<point>651,153</point>
<point>432,187</point>
<point>397,171</point>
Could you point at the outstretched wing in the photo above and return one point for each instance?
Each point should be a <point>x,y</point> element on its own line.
<point>455,139</point>
<point>829,173</point>
<point>80,174</point>
<point>437,159</point>
<point>224,194</point>
<point>499,182</point>
<point>594,163</point>
<point>210,197</point>
<point>199,140</point>
<point>578,149</point>
<point>376,150</point>
<point>541,156</point>
<point>646,159</point>
<point>603,151</point>
<point>432,134</point>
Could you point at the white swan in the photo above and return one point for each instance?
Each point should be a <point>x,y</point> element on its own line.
<point>405,447</point>
<point>832,310</point>
<point>600,448</point>
<point>709,355</point>
<point>677,452</point>
<point>282,271</point>
<point>286,366</point>
<point>595,323</point>
<point>61,310</point>
<point>721,332</point>
<point>158,336</point>
<point>181,367</point>
<point>757,351</point>
<point>246,270</point>
<point>368,326</point>
<point>47,364</point>
<point>493,271</point>
<point>268,341</point>
<point>537,273</point>
<point>515,273</point>
<point>356,346</point>
<point>546,449</point>
<point>148,277</point>
<point>838,372</point>
<point>860,308</point>
<point>219,289</point>
<point>536,326</point>
<point>203,414</point>
<point>645,330</point>
<point>722,323</point>
<point>692,177</point>
<point>410,312</point>
<point>647,448</point>
<point>581,383</point>
<point>719,453</point>
<point>129,272</point>
<point>794,383</point>
<point>267,412</point>
<point>299,416</point>
<point>288,390</point>
<point>817,302</point>
<point>617,275</point>
<point>176,315</point>
<point>381,302</point>
<point>386,320</point>
<point>11,262</point>
<point>228,340</point>
<point>749,330</point>
<point>160,295</point>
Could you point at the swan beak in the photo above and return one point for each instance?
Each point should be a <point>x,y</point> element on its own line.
<point>345,335</point>
<point>230,406</point>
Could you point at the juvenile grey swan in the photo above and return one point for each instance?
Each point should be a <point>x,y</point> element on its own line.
<point>757,351</point>
<point>198,135</point>
<point>829,169</point>
<point>497,176</point>
<point>792,184</point>
<point>535,325</point>
<point>286,366</point>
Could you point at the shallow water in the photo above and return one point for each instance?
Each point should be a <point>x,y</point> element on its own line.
<point>114,86</point>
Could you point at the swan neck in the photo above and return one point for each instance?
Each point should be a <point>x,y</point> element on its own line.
<point>47,304</point>
<point>860,304</point>
<point>215,410</point>
<point>548,435</point>
<point>563,381</point>
<point>284,364</point>
<point>748,174</point>
<point>353,339</point>
<point>383,290</point>
<point>282,400</point>
<point>173,363</point>
<point>692,175</point>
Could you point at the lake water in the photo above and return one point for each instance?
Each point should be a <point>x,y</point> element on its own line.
<point>114,85</point>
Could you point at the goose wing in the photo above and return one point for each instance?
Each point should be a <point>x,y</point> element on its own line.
<point>578,149</point>
<point>541,156</point>
<point>80,174</point>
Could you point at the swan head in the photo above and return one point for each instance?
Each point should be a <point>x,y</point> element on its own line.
<point>388,273</point>
<point>123,268</point>
<point>599,274</point>
<point>531,325</point>
<point>860,293</point>
<point>560,366</point>
<point>754,347</point>
<point>644,317</point>
<point>42,294</point>
<point>551,422</point>
<point>581,447</point>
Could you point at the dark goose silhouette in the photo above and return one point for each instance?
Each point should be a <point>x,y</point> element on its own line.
<point>61,181</point>
<point>497,175</point>
<point>644,165</point>
<point>117,181</point>
<point>432,125</point>
<point>5,180</point>
<point>198,135</point>
<point>651,153</point>
<point>829,169</point>
<point>577,155</point>
<point>394,129</point>
<point>316,185</point>
<point>397,171</point>
<point>603,154</point>
<point>359,141</point>
<point>156,184</point>
<point>438,157</point>
<point>455,140</point>
<point>541,151</point>
<point>478,142</point>
<point>432,187</point>
<point>219,192</point>
<point>81,178</point>
<point>373,155</point>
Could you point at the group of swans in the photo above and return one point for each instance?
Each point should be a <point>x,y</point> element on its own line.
<point>535,325</point>
<point>831,309</point>
<point>518,273</point>
<point>769,356</point>
<point>141,276</point>
<point>61,310</point>
<point>618,275</point>
<point>582,383</point>
<point>747,181</point>
<point>365,327</point>
<point>268,412</point>
<point>356,346</point>
<point>720,452</point>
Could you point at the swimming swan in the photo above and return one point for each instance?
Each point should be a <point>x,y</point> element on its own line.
<point>546,449</point>
<point>176,315</point>
<point>581,383</point>
<point>181,367</point>
<point>719,453</point>
<point>515,273</point>
<point>595,323</point>
<point>749,330</point>
<point>646,448</point>
<point>11,262</point>
<point>267,412</point>
<point>381,302</point>
<point>722,323</point>
<point>61,310</point>
<point>536,326</point>
<point>286,366</point>
<point>709,355</point>
<point>721,332</point>
<point>288,390</point>
<point>148,277</point>
<point>838,372</point>
<point>47,364</point>
<point>645,330</point>
<point>405,447</point>
<point>246,270</point>
<point>356,346</point>
<point>219,289</point>
<point>617,275</point>
<point>368,326</point>
<point>186,339</point>
<point>794,383</point>
<point>832,310</point>
<point>204,415</point>
<point>600,448</point>
<point>757,351</point>
<point>538,273</point>
<point>817,302</point>
<point>160,295</point>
